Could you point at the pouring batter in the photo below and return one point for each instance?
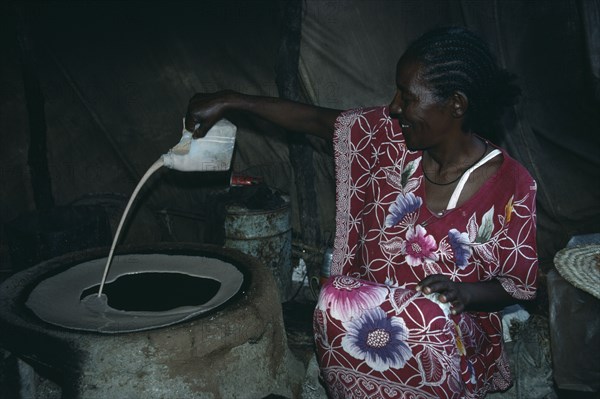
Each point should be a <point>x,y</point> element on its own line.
<point>435,225</point>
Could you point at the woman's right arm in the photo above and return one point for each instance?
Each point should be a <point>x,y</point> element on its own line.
<point>207,109</point>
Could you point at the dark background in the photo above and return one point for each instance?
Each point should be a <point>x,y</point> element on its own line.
<point>92,93</point>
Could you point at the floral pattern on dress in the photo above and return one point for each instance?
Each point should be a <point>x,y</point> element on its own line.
<point>386,242</point>
<point>461,247</point>
<point>377,339</point>
<point>419,247</point>
<point>347,297</point>
<point>404,204</point>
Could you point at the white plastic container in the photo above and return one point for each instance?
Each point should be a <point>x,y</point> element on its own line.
<point>211,153</point>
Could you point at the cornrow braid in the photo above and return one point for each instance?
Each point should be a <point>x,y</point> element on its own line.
<point>456,59</point>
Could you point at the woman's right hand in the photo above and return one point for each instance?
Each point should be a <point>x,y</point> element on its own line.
<point>207,109</point>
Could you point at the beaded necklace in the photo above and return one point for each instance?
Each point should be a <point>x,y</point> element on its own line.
<point>463,172</point>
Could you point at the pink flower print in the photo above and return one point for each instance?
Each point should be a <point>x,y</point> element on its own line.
<point>419,247</point>
<point>347,297</point>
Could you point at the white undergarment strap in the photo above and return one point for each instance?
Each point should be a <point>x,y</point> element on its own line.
<point>465,177</point>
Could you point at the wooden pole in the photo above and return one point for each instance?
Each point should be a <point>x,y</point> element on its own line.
<point>34,98</point>
<point>301,153</point>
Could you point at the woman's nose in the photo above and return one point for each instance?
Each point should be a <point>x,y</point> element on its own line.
<point>396,105</point>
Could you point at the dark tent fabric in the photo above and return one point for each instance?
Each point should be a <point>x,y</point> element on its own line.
<point>116,77</point>
<point>349,55</point>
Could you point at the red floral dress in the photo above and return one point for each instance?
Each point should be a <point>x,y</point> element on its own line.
<point>376,336</point>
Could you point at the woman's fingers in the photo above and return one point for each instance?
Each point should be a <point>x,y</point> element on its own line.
<point>428,283</point>
<point>435,283</point>
<point>449,291</point>
<point>457,307</point>
<point>205,110</point>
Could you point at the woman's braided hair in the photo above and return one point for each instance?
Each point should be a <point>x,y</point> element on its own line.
<point>456,59</point>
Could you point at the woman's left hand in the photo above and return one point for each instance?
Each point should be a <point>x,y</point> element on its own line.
<point>449,291</point>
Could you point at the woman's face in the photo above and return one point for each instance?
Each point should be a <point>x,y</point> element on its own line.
<point>425,119</point>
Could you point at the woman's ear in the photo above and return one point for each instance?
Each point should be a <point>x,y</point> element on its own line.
<point>459,103</point>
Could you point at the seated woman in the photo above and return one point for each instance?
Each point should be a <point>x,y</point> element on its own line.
<point>435,225</point>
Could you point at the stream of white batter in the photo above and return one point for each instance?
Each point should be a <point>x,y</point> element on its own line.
<point>155,166</point>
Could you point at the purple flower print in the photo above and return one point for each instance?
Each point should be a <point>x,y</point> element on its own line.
<point>403,205</point>
<point>461,246</point>
<point>378,340</point>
